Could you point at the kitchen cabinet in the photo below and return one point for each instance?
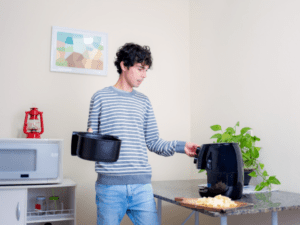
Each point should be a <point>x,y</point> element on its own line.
<point>18,201</point>
<point>12,206</point>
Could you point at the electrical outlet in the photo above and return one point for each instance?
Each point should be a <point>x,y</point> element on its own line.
<point>250,132</point>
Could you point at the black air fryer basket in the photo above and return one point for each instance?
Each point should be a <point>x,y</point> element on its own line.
<point>95,147</point>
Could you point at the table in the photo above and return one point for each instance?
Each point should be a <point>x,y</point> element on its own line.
<point>263,202</point>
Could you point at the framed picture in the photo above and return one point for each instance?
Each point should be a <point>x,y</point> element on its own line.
<point>78,51</point>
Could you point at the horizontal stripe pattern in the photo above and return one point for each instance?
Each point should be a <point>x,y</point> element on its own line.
<point>130,117</point>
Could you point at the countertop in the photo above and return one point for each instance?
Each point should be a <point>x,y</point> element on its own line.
<point>263,202</point>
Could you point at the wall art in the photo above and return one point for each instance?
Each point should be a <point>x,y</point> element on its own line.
<point>78,51</point>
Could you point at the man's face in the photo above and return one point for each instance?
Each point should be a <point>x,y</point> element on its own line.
<point>135,75</point>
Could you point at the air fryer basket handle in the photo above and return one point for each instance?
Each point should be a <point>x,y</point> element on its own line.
<point>74,143</point>
<point>202,157</point>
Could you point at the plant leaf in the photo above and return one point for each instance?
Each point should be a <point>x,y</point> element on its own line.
<point>244,130</point>
<point>245,142</point>
<point>202,170</point>
<point>248,163</point>
<point>256,138</point>
<point>255,153</point>
<point>257,148</point>
<point>274,180</point>
<point>225,137</point>
<point>245,157</point>
<point>216,127</point>
<point>237,124</point>
<point>260,186</point>
<point>261,166</point>
<point>239,137</point>
<point>230,130</point>
<point>235,139</point>
<point>265,174</point>
<point>247,154</point>
<point>216,136</point>
<point>252,174</point>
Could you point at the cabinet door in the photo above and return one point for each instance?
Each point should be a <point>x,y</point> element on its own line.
<point>12,206</point>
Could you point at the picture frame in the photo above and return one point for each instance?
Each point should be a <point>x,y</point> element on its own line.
<point>79,51</point>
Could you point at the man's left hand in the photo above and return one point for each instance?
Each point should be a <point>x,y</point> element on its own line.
<point>190,149</point>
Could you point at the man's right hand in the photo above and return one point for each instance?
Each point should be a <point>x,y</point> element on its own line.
<point>90,130</point>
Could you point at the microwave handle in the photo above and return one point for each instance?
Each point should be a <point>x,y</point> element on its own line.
<point>18,212</point>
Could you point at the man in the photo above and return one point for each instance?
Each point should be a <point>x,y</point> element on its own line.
<point>125,186</point>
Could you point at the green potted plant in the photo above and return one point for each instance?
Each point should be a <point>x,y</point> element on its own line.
<point>250,153</point>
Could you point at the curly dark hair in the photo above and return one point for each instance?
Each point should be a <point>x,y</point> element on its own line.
<point>131,53</point>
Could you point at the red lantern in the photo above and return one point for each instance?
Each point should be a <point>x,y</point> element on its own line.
<point>34,128</point>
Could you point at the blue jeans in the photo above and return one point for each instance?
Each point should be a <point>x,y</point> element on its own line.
<point>136,200</point>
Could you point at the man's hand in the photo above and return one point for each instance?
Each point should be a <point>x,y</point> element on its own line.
<point>90,130</point>
<point>190,149</point>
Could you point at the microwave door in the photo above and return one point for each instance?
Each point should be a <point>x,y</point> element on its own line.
<point>29,162</point>
<point>15,161</point>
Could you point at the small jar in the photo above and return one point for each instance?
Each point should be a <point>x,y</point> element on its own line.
<point>40,205</point>
<point>53,205</point>
<point>61,207</point>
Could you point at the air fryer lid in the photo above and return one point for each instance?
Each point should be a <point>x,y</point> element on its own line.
<point>95,147</point>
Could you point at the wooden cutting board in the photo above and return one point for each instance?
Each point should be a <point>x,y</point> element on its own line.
<point>191,203</point>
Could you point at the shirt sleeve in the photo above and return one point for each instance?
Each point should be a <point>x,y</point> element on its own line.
<point>94,114</point>
<point>153,142</point>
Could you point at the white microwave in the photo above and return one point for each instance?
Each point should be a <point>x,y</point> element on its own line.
<point>31,161</point>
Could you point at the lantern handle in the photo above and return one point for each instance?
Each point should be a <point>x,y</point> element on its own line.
<point>25,123</point>
<point>42,123</point>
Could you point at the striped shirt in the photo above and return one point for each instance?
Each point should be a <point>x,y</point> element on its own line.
<point>130,117</point>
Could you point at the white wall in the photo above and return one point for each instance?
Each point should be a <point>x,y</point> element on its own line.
<point>244,63</point>
<point>25,76</point>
